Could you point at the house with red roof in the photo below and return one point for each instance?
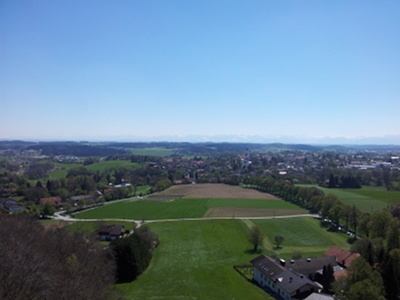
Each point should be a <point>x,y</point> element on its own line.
<point>343,257</point>
<point>56,201</point>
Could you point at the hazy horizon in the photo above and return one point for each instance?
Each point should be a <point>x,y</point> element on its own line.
<point>258,71</point>
<point>388,140</point>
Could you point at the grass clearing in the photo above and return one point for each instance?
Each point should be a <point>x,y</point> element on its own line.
<point>137,210</point>
<point>153,152</point>
<point>304,234</point>
<point>103,165</point>
<point>93,226</point>
<point>252,203</point>
<point>191,208</point>
<point>195,260</point>
<point>367,198</point>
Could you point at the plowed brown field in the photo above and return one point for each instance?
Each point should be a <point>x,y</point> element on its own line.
<point>213,190</point>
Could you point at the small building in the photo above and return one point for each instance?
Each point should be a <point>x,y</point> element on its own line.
<point>89,197</point>
<point>56,201</point>
<point>312,266</point>
<point>343,257</point>
<point>122,185</point>
<point>11,205</point>
<point>316,296</point>
<point>111,232</point>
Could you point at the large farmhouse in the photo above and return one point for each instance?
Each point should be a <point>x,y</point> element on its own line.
<point>110,232</point>
<point>279,279</point>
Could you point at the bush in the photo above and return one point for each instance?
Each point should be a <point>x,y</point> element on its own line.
<point>132,257</point>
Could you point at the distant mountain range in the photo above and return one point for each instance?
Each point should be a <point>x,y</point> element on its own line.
<point>90,148</point>
<point>361,140</point>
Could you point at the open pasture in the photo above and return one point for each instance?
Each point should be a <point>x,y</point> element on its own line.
<point>213,190</point>
<point>191,208</point>
<point>61,170</point>
<point>367,198</point>
<point>304,234</point>
<point>195,260</point>
<point>93,226</point>
<point>149,210</point>
<point>153,151</point>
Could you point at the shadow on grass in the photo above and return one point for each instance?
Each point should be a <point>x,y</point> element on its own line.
<point>351,240</point>
<point>324,224</point>
<point>277,248</point>
<point>333,229</point>
<point>258,251</point>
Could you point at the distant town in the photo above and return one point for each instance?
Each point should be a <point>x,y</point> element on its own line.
<point>293,221</point>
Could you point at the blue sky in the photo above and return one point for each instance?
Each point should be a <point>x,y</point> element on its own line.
<point>198,70</point>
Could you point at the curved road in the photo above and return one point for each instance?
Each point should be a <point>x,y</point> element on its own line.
<point>58,216</point>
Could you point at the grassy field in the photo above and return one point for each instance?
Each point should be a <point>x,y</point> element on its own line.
<point>102,165</point>
<point>252,203</point>
<point>61,170</point>
<point>94,226</point>
<point>367,198</point>
<point>153,151</point>
<point>305,234</point>
<point>195,260</point>
<point>180,208</point>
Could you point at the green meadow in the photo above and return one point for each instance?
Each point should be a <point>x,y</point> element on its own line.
<point>93,226</point>
<point>153,151</point>
<point>177,209</point>
<point>61,170</point>
<point>367,198</point>
<point>304,234</point>
<point>195,260</point>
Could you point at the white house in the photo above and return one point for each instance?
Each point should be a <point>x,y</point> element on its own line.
<point>287,283</point>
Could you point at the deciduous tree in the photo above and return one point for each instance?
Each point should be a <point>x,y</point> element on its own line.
<point>255,236</point>
<point>278,240</point>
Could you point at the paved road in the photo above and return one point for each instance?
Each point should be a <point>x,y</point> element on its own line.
<point>139,223</point>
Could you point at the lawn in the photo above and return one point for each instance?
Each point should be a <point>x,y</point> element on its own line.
<point>305,234</point>
<point>367,198</point>
<point>153,151</point>
<point>62,169</point>
<point>195,260</point>
<point>94,226</point>
<point>103,165</point>
<point>180,208</point>
<point>252,203</point>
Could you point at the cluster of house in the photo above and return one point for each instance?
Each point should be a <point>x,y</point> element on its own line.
<point>11,205</point>
<point>297,279</point>
<point>58,202</point>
